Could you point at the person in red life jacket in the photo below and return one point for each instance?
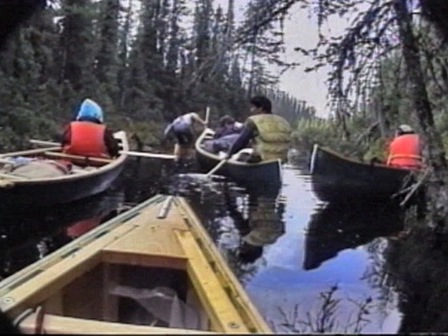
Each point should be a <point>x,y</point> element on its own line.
<point>87,135</point>
<point>83,226</point>
<point>405,149</point>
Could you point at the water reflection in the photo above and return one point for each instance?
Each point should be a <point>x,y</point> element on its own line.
<point>144,177</point>
<point>335,228</point>
<point>243,223</point>
<point>417,266</point>
<point>289,250</point>
<point>259,223</point>
<point>29,235</point>
<point>296,255</point>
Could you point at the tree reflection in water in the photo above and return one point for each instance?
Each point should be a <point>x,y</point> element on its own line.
<point>249,229</point>
<point>230,214</point>
<point>418,268</point>
<point>337,227</point>
<point>331,230</point>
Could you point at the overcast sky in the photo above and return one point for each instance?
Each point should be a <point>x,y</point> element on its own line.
<point>300,30</point>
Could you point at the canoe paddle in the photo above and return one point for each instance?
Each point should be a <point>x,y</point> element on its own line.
<point>149,155</point>
<point>207,115</point>
<point>215,169</point>
<point>220,164</point>
<point>131,153</point>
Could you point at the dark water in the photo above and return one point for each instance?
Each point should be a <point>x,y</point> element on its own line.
<point>308,267</point>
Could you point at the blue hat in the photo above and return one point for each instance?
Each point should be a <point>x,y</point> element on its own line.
<point>89,109</point>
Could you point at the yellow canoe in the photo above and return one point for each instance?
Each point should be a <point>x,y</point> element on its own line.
<point>151,270</point>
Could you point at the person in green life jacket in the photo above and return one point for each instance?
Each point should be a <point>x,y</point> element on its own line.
<point>270,133</point>
<point>266,226</point>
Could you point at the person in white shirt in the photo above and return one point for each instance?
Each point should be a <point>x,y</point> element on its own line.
<point>182,130</point>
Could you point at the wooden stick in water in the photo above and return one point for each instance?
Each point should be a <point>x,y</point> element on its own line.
<point>149,155</point>
<point>131,153</point>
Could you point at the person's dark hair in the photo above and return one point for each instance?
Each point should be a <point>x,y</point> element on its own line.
<point>226,120</point>
<point>249,253</point>
<point>263,102</point>
<point>91,119</point>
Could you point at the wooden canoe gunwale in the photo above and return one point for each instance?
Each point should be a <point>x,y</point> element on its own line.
<point>357,162</point>
<point>269,173</point>
<point>203,152</point>
<point>339,179</point>
<point>70,248</point>
<point>229,308</point>
<point>99,171</point>
<point>81,183</point>
<point>241,299</point>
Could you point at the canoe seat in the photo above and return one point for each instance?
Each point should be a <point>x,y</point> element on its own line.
<point>55,324</point>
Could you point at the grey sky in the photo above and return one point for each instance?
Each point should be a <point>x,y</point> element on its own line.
<point>300,30</point>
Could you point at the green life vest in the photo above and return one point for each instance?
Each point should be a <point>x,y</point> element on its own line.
<point>266,223</point>
<point>274,136</point>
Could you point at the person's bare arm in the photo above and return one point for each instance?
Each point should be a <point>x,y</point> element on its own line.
<point>66,136</point>
<point>199,119</point>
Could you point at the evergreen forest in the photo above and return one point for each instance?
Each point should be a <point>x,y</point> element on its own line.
<point>145,62</point>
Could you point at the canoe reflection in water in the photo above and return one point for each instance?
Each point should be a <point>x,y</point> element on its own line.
<point>337,227</point>
<point>260,223</point>
<point>29,236</point>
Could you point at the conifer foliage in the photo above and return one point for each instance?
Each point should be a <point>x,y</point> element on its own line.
<point>145,62</point>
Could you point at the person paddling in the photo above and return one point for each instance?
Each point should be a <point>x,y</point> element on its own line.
<point>271,133</point>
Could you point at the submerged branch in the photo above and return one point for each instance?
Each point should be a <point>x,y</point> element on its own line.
<point>415,186</point>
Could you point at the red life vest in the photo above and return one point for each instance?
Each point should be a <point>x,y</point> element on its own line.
<point>84,226</point>
<point>405,152</point>
<point>87,139</point>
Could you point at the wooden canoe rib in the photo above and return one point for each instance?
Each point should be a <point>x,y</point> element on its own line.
<point>82,183</point>
<point>266,174</point>
<point>76,285</point>
<point>338,179</point>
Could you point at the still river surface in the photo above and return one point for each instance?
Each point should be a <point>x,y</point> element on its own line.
<point>307,266</point>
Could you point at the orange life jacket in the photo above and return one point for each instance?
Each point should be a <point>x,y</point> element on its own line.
<point>87,139</point>
<point>83,226</point>
<point>405,152</point>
